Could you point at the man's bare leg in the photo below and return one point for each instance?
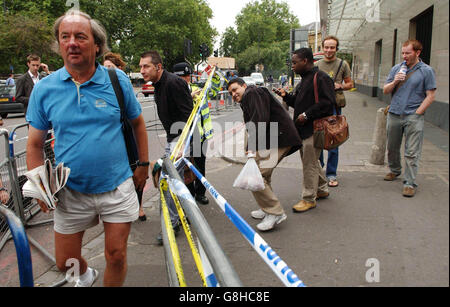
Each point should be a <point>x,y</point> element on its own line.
<point>116,238</point>
<point>69,247</point>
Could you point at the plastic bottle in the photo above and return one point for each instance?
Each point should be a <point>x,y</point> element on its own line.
<point>403,68</point>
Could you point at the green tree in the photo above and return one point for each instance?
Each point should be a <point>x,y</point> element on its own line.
<point>261,36</point>
<point>21,35</point>
<point>133,26</point>
<point>27,27</point>
<point>228,43</point>
<point>136,26</point>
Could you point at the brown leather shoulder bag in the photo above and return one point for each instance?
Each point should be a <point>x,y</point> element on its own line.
<point>331,131</point>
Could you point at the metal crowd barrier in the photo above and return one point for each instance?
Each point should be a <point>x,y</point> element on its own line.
<point>12,171</point>
<point>222,103</point>
<point>271,85</point>
<point>221,266</point>
<point>23,253</point>
<point>153,123</point>
<point>278,266</point>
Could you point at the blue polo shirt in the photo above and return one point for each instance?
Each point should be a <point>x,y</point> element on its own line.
<point>412,93</point>
<point>86,123</point>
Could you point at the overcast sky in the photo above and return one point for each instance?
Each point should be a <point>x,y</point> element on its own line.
<point>225,11</point>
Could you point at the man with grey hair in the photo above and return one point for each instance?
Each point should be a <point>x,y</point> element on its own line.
<point>79,102</point>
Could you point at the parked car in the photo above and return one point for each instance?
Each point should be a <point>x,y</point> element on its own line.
<point>8,102</point>
<point>148,89</point>
<point>258,77</point>
<point>249,80</point>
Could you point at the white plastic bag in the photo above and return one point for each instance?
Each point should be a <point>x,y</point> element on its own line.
<point>250,177</point>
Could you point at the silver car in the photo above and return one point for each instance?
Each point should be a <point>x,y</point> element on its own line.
<point>249,80</point>
<point>258,77</point>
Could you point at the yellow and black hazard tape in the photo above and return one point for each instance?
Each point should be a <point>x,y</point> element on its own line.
<point>190,238</point>
<point>171,235</point>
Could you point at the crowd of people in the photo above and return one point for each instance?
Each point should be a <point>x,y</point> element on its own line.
<point>411,96</point>
<point>102,186</point>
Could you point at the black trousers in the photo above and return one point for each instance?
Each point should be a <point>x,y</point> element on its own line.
<point>197,188</point>
<point>200,163</point>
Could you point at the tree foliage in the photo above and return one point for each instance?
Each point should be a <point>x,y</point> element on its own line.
<point>261,36</point>
<point>133,27</point>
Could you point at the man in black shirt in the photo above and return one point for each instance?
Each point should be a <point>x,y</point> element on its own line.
<point>172,95</point>
<point>174,105</point>
<point>305,112</point>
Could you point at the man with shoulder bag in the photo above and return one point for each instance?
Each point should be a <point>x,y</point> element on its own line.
<point>78,101</point>
<point>339,70</point>
<point>306,111</point>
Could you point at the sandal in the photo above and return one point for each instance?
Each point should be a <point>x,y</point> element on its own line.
<point>333,183</point>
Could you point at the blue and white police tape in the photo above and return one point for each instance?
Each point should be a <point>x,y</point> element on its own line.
<point>211,280</point>
<point>278,266</point>
<point>182,192</point>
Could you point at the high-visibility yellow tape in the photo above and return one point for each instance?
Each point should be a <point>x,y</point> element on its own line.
<point>187,127</point>
<point>190,238</point>
<point>172,242</point>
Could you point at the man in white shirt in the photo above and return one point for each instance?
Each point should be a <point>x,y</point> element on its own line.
<point>27,81</point>
<point>10,80</point>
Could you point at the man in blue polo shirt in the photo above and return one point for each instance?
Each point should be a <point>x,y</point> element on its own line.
<point>412,93</point>
<point>79,102</point>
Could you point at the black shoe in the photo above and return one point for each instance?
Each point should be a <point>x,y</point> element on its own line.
<point>202,199</point>
<point>176,230</point>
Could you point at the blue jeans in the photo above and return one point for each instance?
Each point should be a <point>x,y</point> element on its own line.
<point>333,157</point>
<point>332,162</point>
<point>412,127</point>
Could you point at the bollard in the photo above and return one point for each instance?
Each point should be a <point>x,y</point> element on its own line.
<point>379,139</point>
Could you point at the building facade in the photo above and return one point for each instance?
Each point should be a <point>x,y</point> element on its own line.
<point>374,30</point>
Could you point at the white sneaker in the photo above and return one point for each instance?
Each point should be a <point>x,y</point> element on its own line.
<point>270,221</point>
<point>258,214</point>
<point>93,278</point>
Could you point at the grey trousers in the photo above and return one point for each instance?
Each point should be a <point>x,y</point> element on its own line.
<point>411,126</point>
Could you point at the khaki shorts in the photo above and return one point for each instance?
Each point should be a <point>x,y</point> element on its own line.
<point>77,211</point>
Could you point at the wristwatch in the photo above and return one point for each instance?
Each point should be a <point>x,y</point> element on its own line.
<point>3,189</point>
<point>146,163</point>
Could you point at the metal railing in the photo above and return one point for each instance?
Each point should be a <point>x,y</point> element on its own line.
<point>152,122</point>
<point>23,253</point>
<point>223,270</point>
<point>278,266</point>
<point>222,102</point>
<point>12,171</point>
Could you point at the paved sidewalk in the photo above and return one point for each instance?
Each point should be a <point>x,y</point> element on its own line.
<point>365,217</point>
<point>354,155</point>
